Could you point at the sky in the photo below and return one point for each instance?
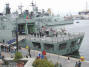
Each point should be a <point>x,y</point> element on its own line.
<point>56,6</point>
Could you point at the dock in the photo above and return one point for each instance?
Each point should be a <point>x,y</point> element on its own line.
<point>63,60</point>
<point>54,58</point>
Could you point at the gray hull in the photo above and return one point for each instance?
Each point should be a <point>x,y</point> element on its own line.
<point>58,45</point>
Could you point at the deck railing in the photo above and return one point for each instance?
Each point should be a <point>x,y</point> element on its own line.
<point>54,39</point>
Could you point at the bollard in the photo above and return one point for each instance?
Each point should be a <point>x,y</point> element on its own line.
<point>82,58</point>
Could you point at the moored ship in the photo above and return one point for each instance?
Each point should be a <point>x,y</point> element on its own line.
<point>33,30</point>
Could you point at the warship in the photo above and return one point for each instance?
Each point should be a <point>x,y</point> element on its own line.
<point>32,29</point>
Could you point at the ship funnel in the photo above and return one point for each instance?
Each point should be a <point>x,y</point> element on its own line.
<point>7,9</point>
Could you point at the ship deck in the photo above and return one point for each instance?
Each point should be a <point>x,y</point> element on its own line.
<point>54,39</point>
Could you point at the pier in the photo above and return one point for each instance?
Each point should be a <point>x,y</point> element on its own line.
<point>51,57</point>
<point>63,60</point>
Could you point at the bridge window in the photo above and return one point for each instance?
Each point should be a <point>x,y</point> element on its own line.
<point>36,45</point>
<point>62,46</point>
<point>49,46</point>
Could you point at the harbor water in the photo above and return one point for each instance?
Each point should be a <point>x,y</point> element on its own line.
<point>80,26</point>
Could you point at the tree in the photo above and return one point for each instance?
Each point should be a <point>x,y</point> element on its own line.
<point>18,55</point>
<point>42,63</point>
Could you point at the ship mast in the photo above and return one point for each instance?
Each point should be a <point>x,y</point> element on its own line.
<point>7,9</point>
<point>20,8</point>
<point>34,8</point>
<point>32,4</point>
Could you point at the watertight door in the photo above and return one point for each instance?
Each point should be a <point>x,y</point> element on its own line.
<point>30,29</point>
<point>21,29</point>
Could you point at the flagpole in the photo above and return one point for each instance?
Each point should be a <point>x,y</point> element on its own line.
<point>16,35</point>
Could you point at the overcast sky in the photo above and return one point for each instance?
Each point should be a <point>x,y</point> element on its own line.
<point>57,6</point>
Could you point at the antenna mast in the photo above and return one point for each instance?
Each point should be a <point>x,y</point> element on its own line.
<point>20,8</point>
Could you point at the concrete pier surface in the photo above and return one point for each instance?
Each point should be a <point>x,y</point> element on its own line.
<point>62,59</point>
<point>51,57</point>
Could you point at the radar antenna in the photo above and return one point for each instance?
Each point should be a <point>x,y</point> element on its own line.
<point>32,4</point>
